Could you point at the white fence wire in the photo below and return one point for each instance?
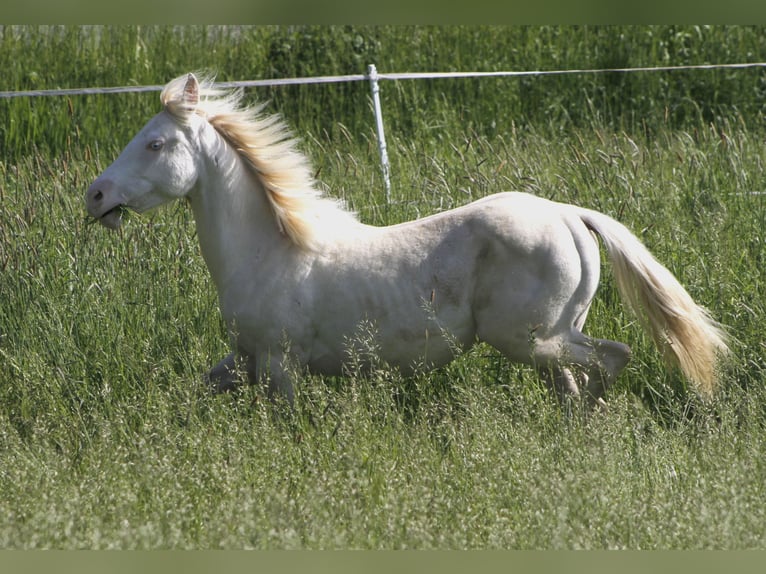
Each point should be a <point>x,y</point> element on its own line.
<point>380,76</point>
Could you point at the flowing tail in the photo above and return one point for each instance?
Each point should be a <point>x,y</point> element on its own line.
<point>685,332</point>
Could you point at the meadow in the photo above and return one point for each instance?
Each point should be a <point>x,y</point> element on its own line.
<point>108,436</point>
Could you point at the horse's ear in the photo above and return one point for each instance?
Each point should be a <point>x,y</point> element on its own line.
<point>191,92</point>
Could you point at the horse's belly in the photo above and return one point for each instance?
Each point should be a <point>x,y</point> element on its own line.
<point>409,341</point>
<point>407,358</point>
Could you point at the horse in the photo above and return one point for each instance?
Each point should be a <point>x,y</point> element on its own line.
<point>297,273</point>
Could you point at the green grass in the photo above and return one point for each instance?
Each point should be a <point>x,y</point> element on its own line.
<point>108,438</point>
<point>31,58</point>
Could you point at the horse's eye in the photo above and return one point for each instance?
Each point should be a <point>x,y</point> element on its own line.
<point>155,145</point>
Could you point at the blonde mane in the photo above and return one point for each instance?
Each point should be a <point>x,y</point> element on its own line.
<point>268,147</point>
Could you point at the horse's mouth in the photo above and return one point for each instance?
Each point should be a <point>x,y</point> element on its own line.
<point>113,218</point>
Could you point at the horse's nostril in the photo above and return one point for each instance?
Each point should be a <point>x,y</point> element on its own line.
<point>98,196</point>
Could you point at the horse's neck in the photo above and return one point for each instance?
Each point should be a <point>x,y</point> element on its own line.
<point>235,224</point>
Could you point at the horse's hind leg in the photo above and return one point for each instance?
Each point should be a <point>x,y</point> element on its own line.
<point>562,384</point>
<point>599,361</point>
<point>608,360</point>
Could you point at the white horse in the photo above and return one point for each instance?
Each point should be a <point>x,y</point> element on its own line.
<point>516,271</point>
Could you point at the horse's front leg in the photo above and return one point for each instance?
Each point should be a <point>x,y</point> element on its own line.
<point>223,377</point>
<point>226,376</point>
<point>272,371</point>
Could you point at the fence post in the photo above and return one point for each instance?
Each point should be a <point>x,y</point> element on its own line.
<point>372,74</point>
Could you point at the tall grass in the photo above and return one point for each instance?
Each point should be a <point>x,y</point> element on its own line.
<point>108,438</point>
<point>31,58</point>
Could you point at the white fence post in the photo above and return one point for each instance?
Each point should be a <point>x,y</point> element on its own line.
<point>372,74</point>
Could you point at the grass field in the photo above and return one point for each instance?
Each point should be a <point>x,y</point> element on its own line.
<point>108,438</point>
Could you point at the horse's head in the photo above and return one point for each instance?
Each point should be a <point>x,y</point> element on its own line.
<point>157,166</point>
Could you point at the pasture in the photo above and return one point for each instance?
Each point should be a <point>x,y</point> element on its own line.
<point>109,439</point>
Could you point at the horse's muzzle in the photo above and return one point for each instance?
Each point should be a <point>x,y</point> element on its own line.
<point>104,205</point>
